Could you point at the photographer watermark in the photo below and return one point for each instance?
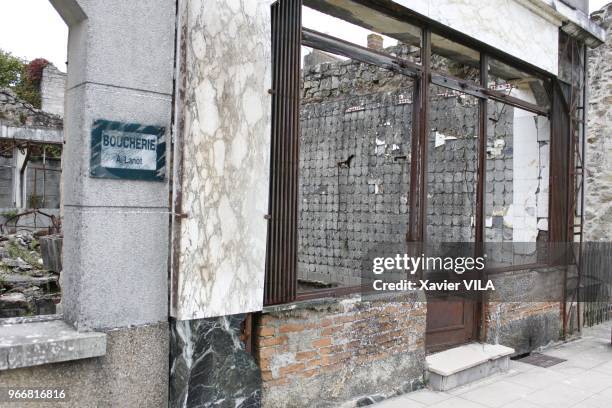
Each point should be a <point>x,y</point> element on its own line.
<point>404,263</point>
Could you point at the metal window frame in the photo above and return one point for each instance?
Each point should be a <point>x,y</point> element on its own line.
<point>281,253</point>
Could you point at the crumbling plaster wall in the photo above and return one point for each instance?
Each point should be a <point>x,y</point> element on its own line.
<point>598,192</point>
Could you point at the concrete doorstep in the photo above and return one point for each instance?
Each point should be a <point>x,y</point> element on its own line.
<point>465,364</point>
<point>583,380</point>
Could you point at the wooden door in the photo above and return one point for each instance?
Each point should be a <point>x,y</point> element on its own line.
<point>451,321</point>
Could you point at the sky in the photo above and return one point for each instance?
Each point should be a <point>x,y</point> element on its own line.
<point>32,28</point>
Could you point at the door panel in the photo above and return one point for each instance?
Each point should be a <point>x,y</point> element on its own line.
<point>451,321</point>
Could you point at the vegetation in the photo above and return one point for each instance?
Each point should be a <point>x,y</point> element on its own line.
<point>21,76</point>
<point>14,250</point>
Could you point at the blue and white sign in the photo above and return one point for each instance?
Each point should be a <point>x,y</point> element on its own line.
<point>127,151</point>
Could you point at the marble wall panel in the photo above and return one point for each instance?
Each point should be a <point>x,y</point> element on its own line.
<point>226,141</point>
<point>209,366</point>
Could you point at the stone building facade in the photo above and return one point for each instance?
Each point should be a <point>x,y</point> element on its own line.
<point>164,281</point>
<point>24,127</point>
<point>598,193</point>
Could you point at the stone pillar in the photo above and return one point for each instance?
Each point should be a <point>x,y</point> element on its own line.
<point>18,181</point>
<point>116,231</point>
<point>120,59</point>
<point>375,42</point>
<point>220,242</point>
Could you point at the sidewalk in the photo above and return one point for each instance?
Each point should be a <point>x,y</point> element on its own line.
<point>584,380</point>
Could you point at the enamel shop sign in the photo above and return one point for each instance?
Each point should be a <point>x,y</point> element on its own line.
<point>127,151</point>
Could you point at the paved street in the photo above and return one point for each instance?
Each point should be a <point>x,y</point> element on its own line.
<point>584,380</point>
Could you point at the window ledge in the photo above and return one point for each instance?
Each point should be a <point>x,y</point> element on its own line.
<point>44,340</point>
<point>329,303</point>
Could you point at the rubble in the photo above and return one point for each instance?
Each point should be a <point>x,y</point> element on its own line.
<point>26,287</point>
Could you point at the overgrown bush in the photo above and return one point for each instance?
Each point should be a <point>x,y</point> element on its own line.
<point>22,76</point>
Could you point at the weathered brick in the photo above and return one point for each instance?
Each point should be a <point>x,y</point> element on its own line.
<point>322,342</point>
<point>273,341</point>
<point>266,375</point>
<point>291,369</point>
<point>306,355</point>
<point>290,328</point>
<point>308,373</point>
<point>266,331</point>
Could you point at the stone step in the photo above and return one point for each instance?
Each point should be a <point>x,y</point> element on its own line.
<point>465,364</point>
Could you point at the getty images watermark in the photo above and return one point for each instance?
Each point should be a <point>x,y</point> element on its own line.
<point>402,264</point>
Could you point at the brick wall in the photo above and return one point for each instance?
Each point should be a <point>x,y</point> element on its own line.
<point>330,352</point>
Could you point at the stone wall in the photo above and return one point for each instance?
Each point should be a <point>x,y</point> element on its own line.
<point>355,153</point>
<point>328,352</point>
<point>133,373</point>
<point>52,89</point>
<point>524,326</point>
<point>354,182</point>
<point>16,112</point>
<point>525,310</point>
<point>598,192</point>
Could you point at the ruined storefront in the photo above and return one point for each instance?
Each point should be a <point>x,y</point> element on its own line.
<point>296,140</point>
<point>464,131</point>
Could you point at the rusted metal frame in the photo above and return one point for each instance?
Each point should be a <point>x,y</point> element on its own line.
<point>281,261</point>
<point>279,217</point>
<point>412,234</point>
<point>268,280</point>
<point>458,84</point>
<point>582,172</point>
<point>482,148</point>
<point>516,268</point>
<point>481,91</point>
<point>424,133</point>
<point>570,188</point>
<point>483,119</point>
<point>247,328</point>
<point>418,165</point>
<point>331,292</point>
<point>558,196</point>
<point>297,34</point>
<point>576,128</point>
<point>511,100</point>
<point>324,42</point>
<point>271,279</point>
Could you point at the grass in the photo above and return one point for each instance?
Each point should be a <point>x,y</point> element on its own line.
<point>15,250</point>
